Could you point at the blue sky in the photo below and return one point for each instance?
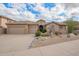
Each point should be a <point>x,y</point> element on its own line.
<point>35,11</point>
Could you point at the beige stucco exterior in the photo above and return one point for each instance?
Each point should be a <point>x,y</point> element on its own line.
<point>32,28</point>
<point>4,20</point>
<point>53,27</point>
<point>41,22</point>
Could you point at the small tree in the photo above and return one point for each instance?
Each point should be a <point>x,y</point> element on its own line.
<point>71,25</point>
<point>38,33</point>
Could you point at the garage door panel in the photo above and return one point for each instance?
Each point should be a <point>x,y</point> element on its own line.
<point>16,30</point>
<point>32,29</point>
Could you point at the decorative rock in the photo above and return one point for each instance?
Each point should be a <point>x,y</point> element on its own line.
<point>72,35</point>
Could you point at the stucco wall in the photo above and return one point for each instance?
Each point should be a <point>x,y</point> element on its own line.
<point>56,28</point>
<point>53,27</point>
<point>41,22</point>
<point>3,22</point>
<point>32,28</point>
<point>1,30</point>
<point>63,29</point>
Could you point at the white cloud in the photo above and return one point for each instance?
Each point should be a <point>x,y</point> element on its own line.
<point>20,12</point>
<point>50,14</point>
<point>40,8</point>
<point>17,12</point>
<point>29,16</point>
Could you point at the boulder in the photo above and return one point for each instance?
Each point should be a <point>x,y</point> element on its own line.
<point>72,35</point>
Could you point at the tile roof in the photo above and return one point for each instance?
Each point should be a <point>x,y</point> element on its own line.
<point>23,22</point>
<point>60,24</point>
<point>6,18</point>
<point>30,22</point>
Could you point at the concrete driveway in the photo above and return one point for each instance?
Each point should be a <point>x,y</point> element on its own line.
<point>17,45</point>
<point>10,43</point>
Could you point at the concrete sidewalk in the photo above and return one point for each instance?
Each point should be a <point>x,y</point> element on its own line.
<point>70,48</point>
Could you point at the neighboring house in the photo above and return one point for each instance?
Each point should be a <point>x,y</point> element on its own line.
<point>3,21</point>
<point>24,27</point>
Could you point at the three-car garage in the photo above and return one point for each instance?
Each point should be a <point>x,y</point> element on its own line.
<point>21,28</point>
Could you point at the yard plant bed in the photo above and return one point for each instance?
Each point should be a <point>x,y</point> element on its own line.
<point>43,41</point>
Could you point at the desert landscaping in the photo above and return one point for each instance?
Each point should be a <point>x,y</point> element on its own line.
<point>43,41</point>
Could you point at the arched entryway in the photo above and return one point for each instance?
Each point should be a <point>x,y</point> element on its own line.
<point>41,27</point>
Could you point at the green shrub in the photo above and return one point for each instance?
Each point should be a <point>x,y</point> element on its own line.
<point>56,33</point>
<point>38,33</point>
<point>70,25</point>
<point>43,30</point>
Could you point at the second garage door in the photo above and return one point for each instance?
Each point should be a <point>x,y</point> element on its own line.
<point>32,28</point>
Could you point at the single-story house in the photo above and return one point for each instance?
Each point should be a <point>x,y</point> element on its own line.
<point>24,27</point>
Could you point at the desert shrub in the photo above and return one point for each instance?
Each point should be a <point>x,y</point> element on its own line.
<point>75,33</point>
<point>71,25</point>
<point>43,30</point>
<point>56,33</point>
<point>38,33</point>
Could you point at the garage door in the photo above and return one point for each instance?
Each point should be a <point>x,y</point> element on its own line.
<point>16,30</point>
<point>32,29</point>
